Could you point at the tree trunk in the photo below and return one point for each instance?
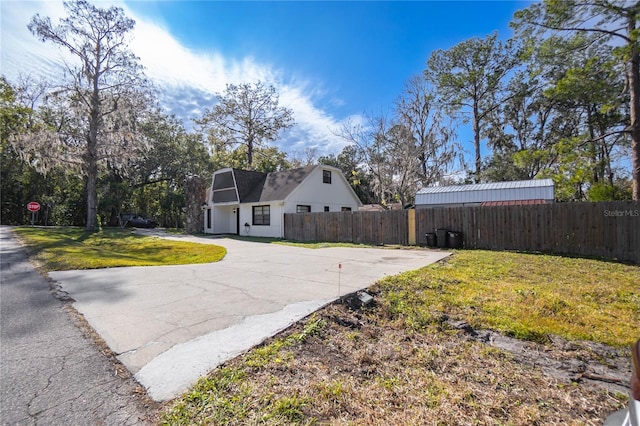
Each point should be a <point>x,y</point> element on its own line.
<point>633,78</point>
<point>476,142</point>
<point>92,175</point>
<point>250,153</point>
<point>423,168</point>
<point>592,146</point>
<point>92,195</point>
<point>92,154</point>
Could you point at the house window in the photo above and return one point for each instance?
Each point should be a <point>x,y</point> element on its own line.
<point>303,209</point>
<point>326,176</point>
<point>208,218</point>
<point>326,208</point>
<point>261,215</point>
<point>346,209</point>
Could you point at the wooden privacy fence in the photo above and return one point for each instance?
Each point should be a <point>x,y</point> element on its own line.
<point>607,229</point>
<point>378,227</point>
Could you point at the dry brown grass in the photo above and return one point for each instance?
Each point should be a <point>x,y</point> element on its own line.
<point>363,369</point>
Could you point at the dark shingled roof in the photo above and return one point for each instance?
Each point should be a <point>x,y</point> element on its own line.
<point>246,181</point>
<point>273,186</point>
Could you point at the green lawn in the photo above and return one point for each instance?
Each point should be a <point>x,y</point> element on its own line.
<point>305,244</point>
<point>528,296</point>
<point>398,362</point>
<point>65,248</point>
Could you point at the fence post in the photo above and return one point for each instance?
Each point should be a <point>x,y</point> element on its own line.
<point>412,227</point>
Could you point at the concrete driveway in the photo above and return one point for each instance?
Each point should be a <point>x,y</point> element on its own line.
<point>170,325</point>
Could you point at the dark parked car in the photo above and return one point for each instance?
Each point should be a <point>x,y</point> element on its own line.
<point>137,221</point>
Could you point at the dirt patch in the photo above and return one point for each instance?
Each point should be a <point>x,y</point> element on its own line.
<point>364,367</point>
<point>588,363</point>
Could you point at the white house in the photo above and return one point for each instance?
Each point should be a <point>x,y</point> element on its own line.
<point>252,203</point>
<point>538,191</point>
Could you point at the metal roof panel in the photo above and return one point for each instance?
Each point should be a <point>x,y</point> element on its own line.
<point>484,192</point>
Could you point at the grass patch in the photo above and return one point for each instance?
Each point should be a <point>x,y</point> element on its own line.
<point>175,231</point>
<point>396,363</point>
<point>227,397</point>
<point>304,244</point>
<point>65,248</point>
<point>527,296</point>
<point>320,245</point>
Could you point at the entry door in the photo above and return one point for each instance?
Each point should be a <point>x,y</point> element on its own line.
<point>238,220</point>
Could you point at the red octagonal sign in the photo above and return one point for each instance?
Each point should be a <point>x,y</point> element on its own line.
<point>33,206</point>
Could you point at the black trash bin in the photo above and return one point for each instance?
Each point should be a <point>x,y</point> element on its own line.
<point>441,238</point>
<point>431,239</point>
<point>455,240</point>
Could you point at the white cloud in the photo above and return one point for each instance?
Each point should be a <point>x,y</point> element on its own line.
<point>186,79</point>
<point>169,63</point>
<point>176,67</point>
<point>315,127</point>
<point>21,51</point>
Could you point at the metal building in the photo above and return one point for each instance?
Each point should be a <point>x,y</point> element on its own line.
<point>539,191</point>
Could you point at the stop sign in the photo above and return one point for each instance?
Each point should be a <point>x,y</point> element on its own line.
<point>33,206</point>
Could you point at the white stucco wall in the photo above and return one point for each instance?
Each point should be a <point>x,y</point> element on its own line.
<point>223,219</point>
<point>220,220</point>
<point>313,192</point>
<point>274,230</point>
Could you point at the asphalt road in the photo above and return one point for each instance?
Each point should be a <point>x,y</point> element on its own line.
<point>50,372</point>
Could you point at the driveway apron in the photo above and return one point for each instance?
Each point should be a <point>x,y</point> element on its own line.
<point>170,325</point>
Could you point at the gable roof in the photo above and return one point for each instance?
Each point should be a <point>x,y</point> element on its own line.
<point>539,189</point>
<point>275,186</point>
<point>535,183</point>
<point>231,185</point>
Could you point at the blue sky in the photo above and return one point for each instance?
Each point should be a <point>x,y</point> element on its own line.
<point>330,61</point>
